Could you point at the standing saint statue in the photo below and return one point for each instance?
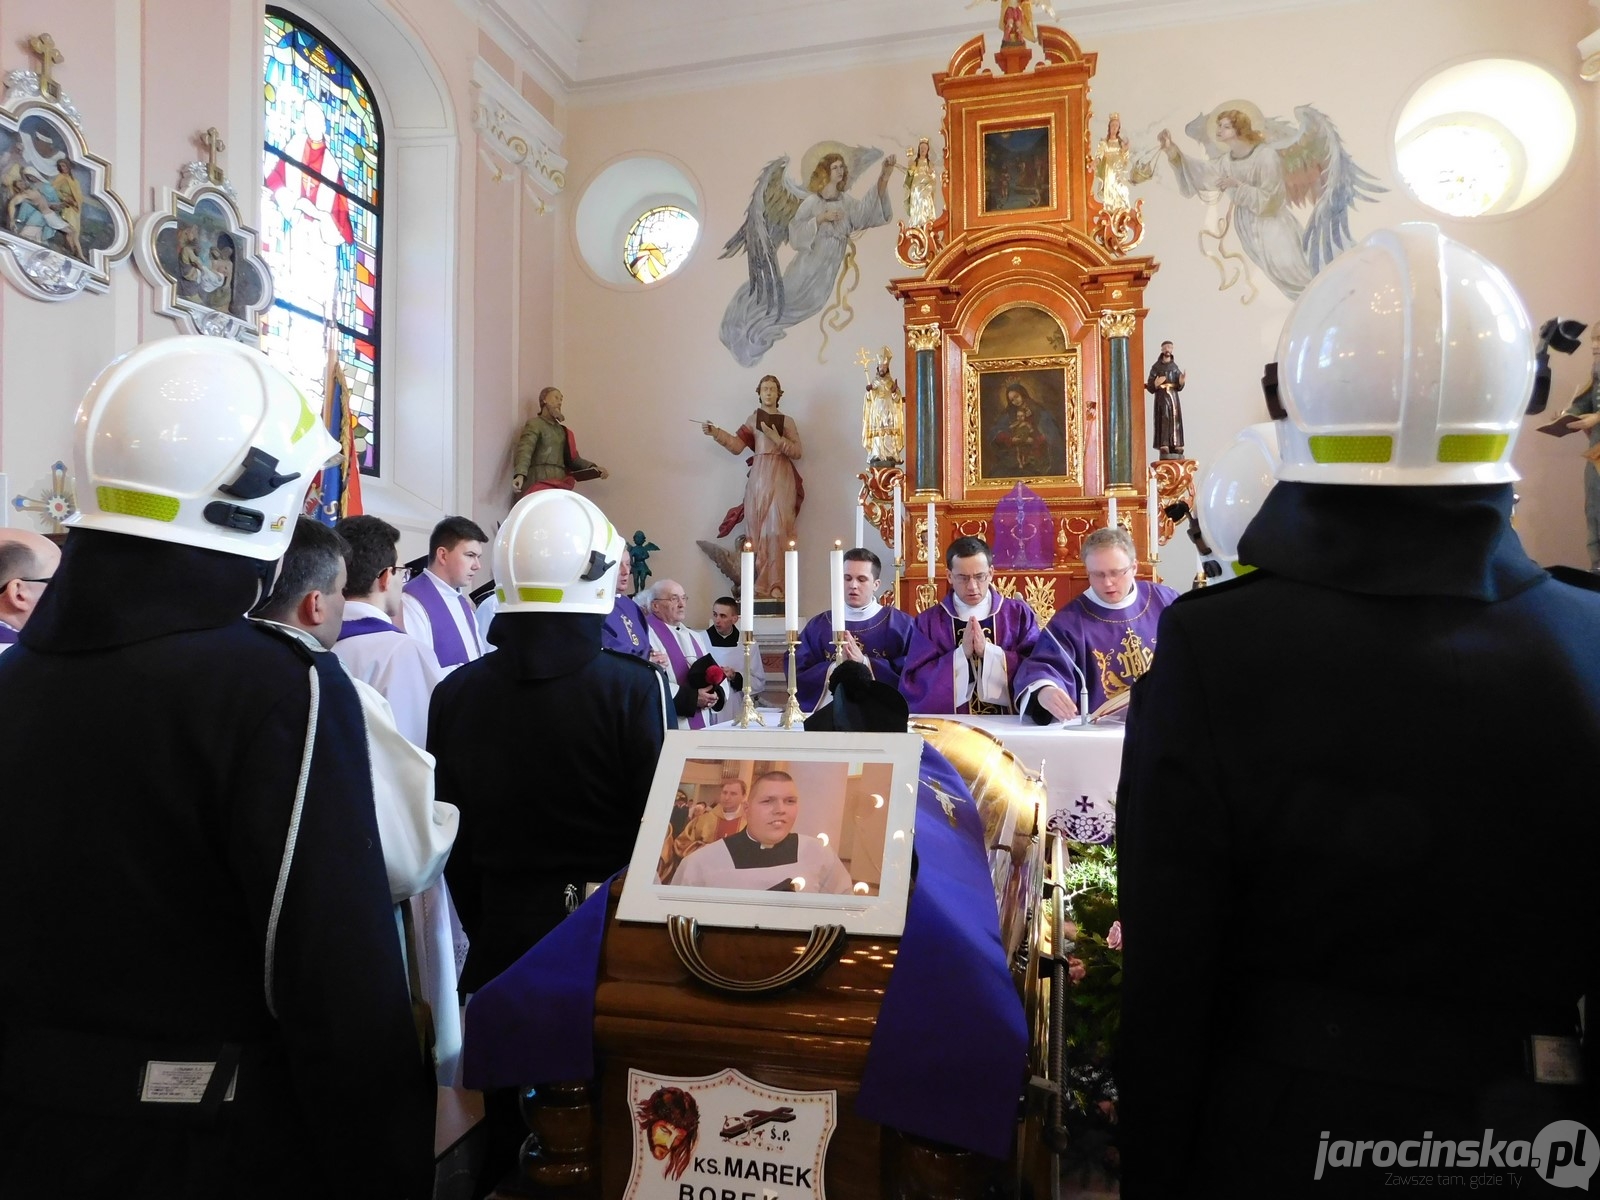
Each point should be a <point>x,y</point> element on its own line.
<point>921,180</point>
<point>1113,168</point>
<point>773,490</point>
<point>547,451</point>
<point>1165,382</point>
<point>883,412</point>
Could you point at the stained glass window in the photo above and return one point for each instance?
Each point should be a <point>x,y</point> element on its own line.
<point>321,219</point>
<point>659,242</point>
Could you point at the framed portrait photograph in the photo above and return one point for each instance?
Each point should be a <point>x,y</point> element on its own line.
<point>778,831</point>
<point>1022,421</point>
<point>1017,168</point>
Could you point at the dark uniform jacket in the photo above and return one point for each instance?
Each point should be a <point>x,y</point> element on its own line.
<point>152,745</point>
<point>1358,829</point>
<point>547,747</point>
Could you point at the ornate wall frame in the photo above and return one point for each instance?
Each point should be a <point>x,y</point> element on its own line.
<point>61,226</point>
<point>203,262</point>
<point>1053,382</point>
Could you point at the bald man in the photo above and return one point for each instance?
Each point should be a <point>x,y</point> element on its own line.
<point>27,561</point>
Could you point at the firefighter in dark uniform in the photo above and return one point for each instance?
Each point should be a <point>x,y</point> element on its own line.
<point>1358,824</point>
<point>201,987</point>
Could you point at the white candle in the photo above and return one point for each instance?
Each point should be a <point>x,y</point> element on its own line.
<point>861,524</point>
<point>933,538</point>
<point>747,590</point>
<point>1155,520</point>
<point>836,565</point>
<point>1111,515</point>
<point>791,589</point>
<point>899,525</point>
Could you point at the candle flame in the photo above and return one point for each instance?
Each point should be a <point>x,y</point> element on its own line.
<point>837,544</point>
<point>791,543</point>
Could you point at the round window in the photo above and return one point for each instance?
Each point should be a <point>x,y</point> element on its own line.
<point>659,242</point>
<point>1485,137</point>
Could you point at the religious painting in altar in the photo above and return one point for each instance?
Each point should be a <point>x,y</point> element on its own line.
<point>59,219</point>
<point>1017,168</point>
<point>1022,395</point>
<point>1257,171</point>
<point>321,218</point>
<point>819,219</point>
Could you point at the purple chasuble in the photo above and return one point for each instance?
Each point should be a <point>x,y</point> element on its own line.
<point>1112,646</point>
<point>534,1023</point>
<point>448,647</point>
<point>884,638</point>
<point>676,660</point>
<point>625,629</point>
<point>366,625</point>
<point>928,682</point>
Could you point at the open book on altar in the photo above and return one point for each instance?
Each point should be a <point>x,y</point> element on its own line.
<point>1113,710</point>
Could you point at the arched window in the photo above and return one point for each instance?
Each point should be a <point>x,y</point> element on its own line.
<point>321,219</point>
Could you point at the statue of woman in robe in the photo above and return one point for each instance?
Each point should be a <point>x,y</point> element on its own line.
<point>773,490</point>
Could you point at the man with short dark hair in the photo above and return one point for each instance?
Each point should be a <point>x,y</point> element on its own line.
<point>625,630</point>
<point>436,612</point>
<point>767,854</point>
<point>27,561</point>
<point>371,644</point>
<point>725,644</point>
<point>875,635</point>
<point>1105,637</point>
<point>966,649</point>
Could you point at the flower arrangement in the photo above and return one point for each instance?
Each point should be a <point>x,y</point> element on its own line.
<point>1094,1007</point>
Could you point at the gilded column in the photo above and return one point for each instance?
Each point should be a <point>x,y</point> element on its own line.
<point>1117,328</point>
<point>924,340</point>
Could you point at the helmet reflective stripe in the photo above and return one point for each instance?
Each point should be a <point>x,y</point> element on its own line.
<point>1472,447</point>
<point>137,504</point>
<point>1332,448</point>
<point>307,422</point>
<point>540,595</point>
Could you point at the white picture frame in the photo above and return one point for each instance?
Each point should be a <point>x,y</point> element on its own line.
<point>835,821</point>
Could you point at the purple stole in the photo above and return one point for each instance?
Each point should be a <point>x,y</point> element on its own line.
<point>448,647</point>
<point>928,682</point>
<point>366,625</point>
<point>680,665</point>
<point>1112,646</point>
<point>884,639</point>
<point>8,635</point>
<point>624,631</point>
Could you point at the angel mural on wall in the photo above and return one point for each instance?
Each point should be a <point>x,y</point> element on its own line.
<point>819,220</point>
<point>1261,169</point>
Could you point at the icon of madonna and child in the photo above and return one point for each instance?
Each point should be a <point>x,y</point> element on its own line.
<point>1021,431</point>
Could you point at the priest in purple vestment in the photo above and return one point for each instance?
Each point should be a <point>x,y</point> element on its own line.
<point>966,650</point>
<point>625,630</point>
<point>1108,634</point>
<point>875,636</point>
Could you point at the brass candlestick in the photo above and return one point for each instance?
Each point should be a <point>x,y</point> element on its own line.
<point>792,715</point>
<point>748,715</point>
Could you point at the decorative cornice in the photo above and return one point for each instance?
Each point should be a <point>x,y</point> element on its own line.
<point>1118,323</point>
<point>512,132</point>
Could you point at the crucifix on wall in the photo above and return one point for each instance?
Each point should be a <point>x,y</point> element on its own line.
<point>49,57</point>
<point>212,140</point>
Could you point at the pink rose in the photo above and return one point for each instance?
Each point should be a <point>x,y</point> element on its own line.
<point>1075,969</point>
<point>1114,936</point>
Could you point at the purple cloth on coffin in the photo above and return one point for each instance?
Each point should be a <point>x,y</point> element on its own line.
<point>1024,533</point>
<point>448,647</point>
<point>1112,646</point>
<point>885,637</point>
<point>928,682</point>
<point>625,630</point>
<point>534,1023</point>
<point>677,661</point>
<point>366,625</point>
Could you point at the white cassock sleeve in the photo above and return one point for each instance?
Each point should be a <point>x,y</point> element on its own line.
<point>416,830</point>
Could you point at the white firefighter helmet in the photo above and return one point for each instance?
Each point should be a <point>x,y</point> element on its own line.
<point>1230,495</point>
<point>1409,360</point>
<point>556,552</point>
<point>199,441</point>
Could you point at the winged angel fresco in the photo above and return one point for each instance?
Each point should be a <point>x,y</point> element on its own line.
<point>1263,169</point>
<point>819,220</point>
